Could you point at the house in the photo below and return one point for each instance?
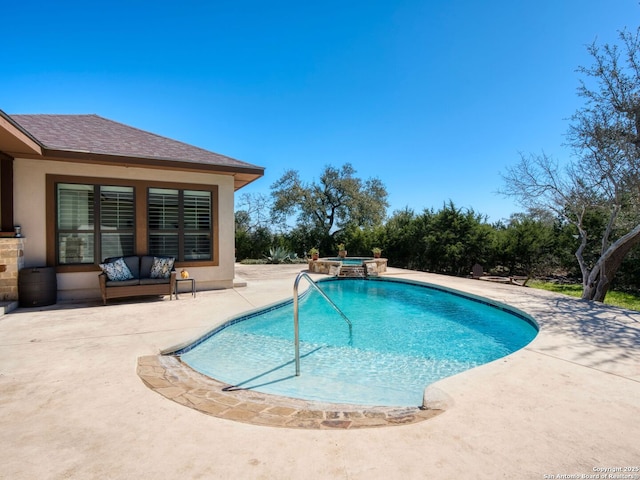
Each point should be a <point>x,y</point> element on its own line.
<point>83,188</point>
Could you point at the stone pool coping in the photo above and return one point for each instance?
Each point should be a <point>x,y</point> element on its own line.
<point>171,378</point>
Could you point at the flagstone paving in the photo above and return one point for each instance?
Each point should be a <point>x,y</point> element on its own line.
<point>171,378</point>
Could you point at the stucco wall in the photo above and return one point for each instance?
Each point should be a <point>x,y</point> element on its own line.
<point>30,213</point>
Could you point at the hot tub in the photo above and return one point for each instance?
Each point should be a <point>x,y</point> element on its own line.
<point>332,265</point>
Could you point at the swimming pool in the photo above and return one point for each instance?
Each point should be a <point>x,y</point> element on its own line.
<point>404,336</point>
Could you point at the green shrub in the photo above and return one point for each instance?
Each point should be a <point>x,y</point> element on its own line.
<point>281,255</point>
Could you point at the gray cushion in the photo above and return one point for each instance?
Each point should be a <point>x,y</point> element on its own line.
<point>122,283</point>
<point>154,281</point>
<point>133,262</point>
<point>146,262</point>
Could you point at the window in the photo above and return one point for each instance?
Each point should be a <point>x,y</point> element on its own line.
<point>117,218</point>
<point>180,223</point>
<point>90,219</point>
<point>79,239</point>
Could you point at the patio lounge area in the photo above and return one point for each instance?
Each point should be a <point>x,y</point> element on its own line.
<point>74,407</point>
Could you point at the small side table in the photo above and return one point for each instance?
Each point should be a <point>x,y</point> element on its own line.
<point>193,286</point>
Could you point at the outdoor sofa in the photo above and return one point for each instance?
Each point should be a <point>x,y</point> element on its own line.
<point>135,275</point>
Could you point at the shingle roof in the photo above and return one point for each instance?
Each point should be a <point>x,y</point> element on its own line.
<point>92,134</point>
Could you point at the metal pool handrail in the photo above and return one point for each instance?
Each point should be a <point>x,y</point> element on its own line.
<point>295,313</point>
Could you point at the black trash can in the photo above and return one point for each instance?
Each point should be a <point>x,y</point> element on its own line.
<point>37,286</point>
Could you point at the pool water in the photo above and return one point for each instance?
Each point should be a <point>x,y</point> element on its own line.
<point>404,336</point>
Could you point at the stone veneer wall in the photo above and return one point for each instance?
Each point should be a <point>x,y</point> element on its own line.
<point>11,261</point>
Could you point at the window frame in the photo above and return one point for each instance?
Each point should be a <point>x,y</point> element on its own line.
<point>98,209</point>
<point>141,230</point>
<point>181,230</point>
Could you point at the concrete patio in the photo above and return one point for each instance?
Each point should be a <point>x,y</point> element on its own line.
<point>72,405</point>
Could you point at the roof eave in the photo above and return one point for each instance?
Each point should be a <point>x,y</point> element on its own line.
<point>15,140</point>
<point>242,175</point>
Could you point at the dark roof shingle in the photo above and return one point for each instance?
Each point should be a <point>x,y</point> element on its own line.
<point>97,135</point>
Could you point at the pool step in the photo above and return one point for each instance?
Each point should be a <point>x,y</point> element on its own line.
<point>352,271</point>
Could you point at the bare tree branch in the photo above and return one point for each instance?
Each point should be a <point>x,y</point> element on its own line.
<point>599,190</point>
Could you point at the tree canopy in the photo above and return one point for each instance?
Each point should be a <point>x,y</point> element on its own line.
<point>590,205</point>
<point>337,201</point>
<point>598,192</point>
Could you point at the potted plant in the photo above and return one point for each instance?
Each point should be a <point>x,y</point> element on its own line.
<point>342,252</point>
<point>315,253</point>
<point>377,251</point>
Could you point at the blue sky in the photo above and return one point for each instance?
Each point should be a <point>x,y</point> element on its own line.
<point>436,98</point>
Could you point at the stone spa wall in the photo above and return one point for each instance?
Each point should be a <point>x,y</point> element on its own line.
<point>374,266</point>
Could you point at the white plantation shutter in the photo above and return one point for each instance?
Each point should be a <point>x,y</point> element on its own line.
<point>75,222</point>
<point>75,206</point>
<point>164,222</point>
<point>78,237</point>
<point>117,219</point>
<point>197,225</point>
<point>180,223</point>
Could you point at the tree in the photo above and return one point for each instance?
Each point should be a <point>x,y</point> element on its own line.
<point>402,239</point>
<point>525,245</point>
<point>455,240</point>
<point>253,235</point>
<point>338,201</point>
<point>253,211</point>
<point>603,180</point>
